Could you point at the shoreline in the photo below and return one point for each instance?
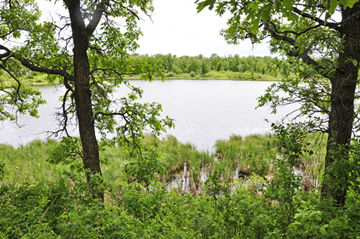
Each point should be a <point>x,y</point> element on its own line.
<point>204,78</point>
<point>43,84</point>
<point>40,80</point>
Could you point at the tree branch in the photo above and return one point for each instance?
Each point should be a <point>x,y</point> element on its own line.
<point>333,26</point>
<point>296,52</point>
<point>61,72</point>
<point>98,12</point>
<point>297,33</point>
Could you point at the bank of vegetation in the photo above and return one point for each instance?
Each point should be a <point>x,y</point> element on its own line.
<point>232,67</point>
<point>239,191</point>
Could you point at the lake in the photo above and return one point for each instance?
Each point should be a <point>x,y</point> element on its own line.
<point>204,111</point>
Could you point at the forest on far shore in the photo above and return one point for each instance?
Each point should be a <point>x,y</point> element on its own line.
<point>231,67</point>
<point>226,67</point>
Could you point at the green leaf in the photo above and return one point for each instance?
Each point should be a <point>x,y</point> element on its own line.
<point>298,216</point>
<point>333,5</point>
<point>288,4</point>
<point>266,13</point>
<point>323,231</point>
<point>348,3</point>
<point>255,26</point>
<point>203,4</point>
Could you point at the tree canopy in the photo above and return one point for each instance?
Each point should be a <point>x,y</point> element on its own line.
<point>17,97</point>
<point>89,49</point>
<point>321,40</point>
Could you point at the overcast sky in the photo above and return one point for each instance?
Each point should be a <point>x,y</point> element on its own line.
<point>178,29</point>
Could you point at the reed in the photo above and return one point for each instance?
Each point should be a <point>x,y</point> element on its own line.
<point>27,164</point>
<point>247,156</point>
<point>175,154</point>
<point>313,165</point>
<point>238,156</point>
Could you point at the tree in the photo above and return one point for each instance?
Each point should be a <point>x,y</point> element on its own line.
<point>205,67</point>
<point>89,51</point>
<point>16,97</point>
<point>194,65</point>
<point>322,41</point>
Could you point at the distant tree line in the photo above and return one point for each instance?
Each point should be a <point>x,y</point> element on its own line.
<point>234,63</point>
<point>200,65</point>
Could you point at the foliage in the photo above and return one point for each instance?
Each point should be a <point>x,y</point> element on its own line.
<point>67,152</point>
<point>43,200</point>
<point>216,66</point>
<point>16,98</point>
<point>324,52</point>
<point>131,212</point>
<point>346,169</point>
<point>90,71</point>
<point>145,168</point>
<point>284,185</point>
<point>247,156</point>
<point>308,222</point>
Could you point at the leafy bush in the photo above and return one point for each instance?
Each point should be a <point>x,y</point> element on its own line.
<point>36,204</point>
<point>170,74</point>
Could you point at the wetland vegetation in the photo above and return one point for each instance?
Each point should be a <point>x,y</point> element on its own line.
<point>229,194</point>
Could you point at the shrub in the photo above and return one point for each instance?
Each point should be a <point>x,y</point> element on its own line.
<point>170,74</point>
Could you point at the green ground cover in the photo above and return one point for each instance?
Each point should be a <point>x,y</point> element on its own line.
<point>218,75</point>
<point>38,79</point>
<point>43,200</point>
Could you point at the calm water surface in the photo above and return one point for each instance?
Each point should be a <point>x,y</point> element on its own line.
<point>204,111</point>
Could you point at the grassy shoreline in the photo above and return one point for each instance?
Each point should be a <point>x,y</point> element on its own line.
<point>42,200</point>
<point>217,75</point>
<point>246,155</point>
<point>40,79</point>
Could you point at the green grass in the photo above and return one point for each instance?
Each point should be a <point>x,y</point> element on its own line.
<point>314,164</point>
<point>175,154</point>
<point>38,200</point>
<point>29,164</point>
<point>247,155</point>
<point>40,79</point>
<point>218,75</point>
<point>31,79</point>
<point>252,155</point>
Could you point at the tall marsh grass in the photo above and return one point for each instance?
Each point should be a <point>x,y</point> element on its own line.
<point>27,164</point>
<point>246,155</point>
<point>238,156</point>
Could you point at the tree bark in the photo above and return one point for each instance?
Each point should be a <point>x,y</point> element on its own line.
<point>83,98</point>
<point>342,113</point>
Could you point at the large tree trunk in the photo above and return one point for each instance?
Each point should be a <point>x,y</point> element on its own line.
<point>342,112</point>
<point>83,99</point>
<point>340,129</point>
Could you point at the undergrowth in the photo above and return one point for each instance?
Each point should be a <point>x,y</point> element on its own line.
<point>43,200</point>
